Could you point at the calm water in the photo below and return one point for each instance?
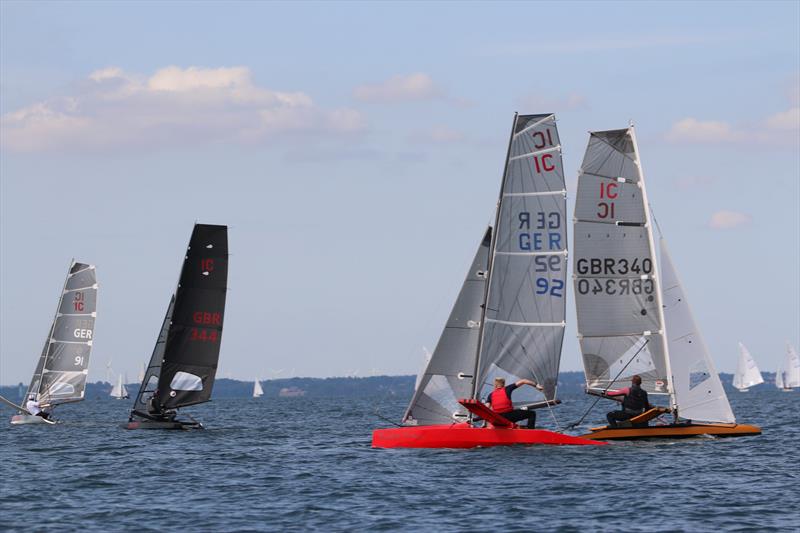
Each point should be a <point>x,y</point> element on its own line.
<point>298,464</point>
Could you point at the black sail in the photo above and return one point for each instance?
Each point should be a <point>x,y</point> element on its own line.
<point>195,333</point>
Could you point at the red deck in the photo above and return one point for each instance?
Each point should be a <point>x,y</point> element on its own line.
<point>465,436</point>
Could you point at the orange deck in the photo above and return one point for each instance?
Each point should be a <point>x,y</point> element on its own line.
<point>673,431</point>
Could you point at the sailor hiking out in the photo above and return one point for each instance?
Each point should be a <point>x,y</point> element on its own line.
<point>500,401</point>
<point>634,403</point>
<point>34,408</point>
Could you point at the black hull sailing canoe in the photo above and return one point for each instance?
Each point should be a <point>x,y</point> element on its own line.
<point>183,366</point>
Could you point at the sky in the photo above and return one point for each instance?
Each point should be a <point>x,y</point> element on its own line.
<point>356,149</point>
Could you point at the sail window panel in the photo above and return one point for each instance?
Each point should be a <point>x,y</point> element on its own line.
<point>62,386</point>
<point>530,352</point>
<point>79,302</point>
<point>73,328</point>
<point>604,158</point>
<point>608,201</point>
<point>611,251</point>
<point>185,381</point>
<point>67,357</point>
<point>616,358</point>
<point>614,306</point>
<point>532,224</point>
<point>173,398</point>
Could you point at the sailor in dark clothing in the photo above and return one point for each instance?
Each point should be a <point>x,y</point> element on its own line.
<point>634,403</point>
<point>500,401</point>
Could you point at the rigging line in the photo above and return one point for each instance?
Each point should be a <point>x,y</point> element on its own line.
<point>609,386</point>
<point>379,415</point>
<point>658,227</point>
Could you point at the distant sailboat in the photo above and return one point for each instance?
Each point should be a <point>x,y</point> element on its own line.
<point>747,373</point>
<point>119,391</point>
<point>184,361</point>
<point>258,392</point>
<point>787,378</point>
<point>60,375</point>
<point>508,319</point>
<point>633,319</point>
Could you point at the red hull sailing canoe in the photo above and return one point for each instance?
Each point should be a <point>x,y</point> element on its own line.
<point>499,432</point>
<point>465,436</point>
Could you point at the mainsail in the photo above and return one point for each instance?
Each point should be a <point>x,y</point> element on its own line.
<point>617,296</point>
<point>525,313</point>
<point>747,373</point>
<point>119,390</point>
<point>698,390</point>
<point>788,377</point>
<point>258,392</point>
<point>60,375</point>
<point>184,361</point>
<point>447,375</point>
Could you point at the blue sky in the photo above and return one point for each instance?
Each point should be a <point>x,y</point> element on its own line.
<point>356,150</point>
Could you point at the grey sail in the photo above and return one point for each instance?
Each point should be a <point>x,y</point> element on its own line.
<point>60,375</point>
<point>523,326</point>
<point>617,297</point>
<point>447,376</point>
<point>150,380</point>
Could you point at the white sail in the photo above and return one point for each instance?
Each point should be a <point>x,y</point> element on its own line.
<point>617,293</point>
<point>119,390</point>
<point>258,392</point>
<point>698,390</point>
<point>788,377</point>
<point>747,373</point>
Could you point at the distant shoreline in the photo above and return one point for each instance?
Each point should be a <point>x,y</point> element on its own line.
<point>349,387</point>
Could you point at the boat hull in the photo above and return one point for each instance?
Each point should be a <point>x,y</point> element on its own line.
<point>673,431</point>
<point>161,424</point>
<point>465,436</point>
<point>19,420</point>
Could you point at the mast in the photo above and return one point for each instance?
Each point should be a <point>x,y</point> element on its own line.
<point>492,245</point>
<point>655,274</point>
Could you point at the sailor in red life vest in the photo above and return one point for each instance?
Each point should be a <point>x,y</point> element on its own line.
<point>635,402</point>
<point>500,401</point>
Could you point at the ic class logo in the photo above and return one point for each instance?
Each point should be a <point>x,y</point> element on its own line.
<point>78,303</point>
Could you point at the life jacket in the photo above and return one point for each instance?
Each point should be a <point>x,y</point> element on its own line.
<point>501,403</point>
<point>636,400</point>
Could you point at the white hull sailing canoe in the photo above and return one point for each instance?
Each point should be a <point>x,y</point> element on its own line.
<point>18,420</point>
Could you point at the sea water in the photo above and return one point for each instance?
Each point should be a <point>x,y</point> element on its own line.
<point>295,464</point>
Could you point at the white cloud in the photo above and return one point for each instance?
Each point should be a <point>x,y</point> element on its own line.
<point>785,120</point>
<point>113,108</point>
<point>703,131</point>
<point>729,220</point>
<point>417,86</point>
